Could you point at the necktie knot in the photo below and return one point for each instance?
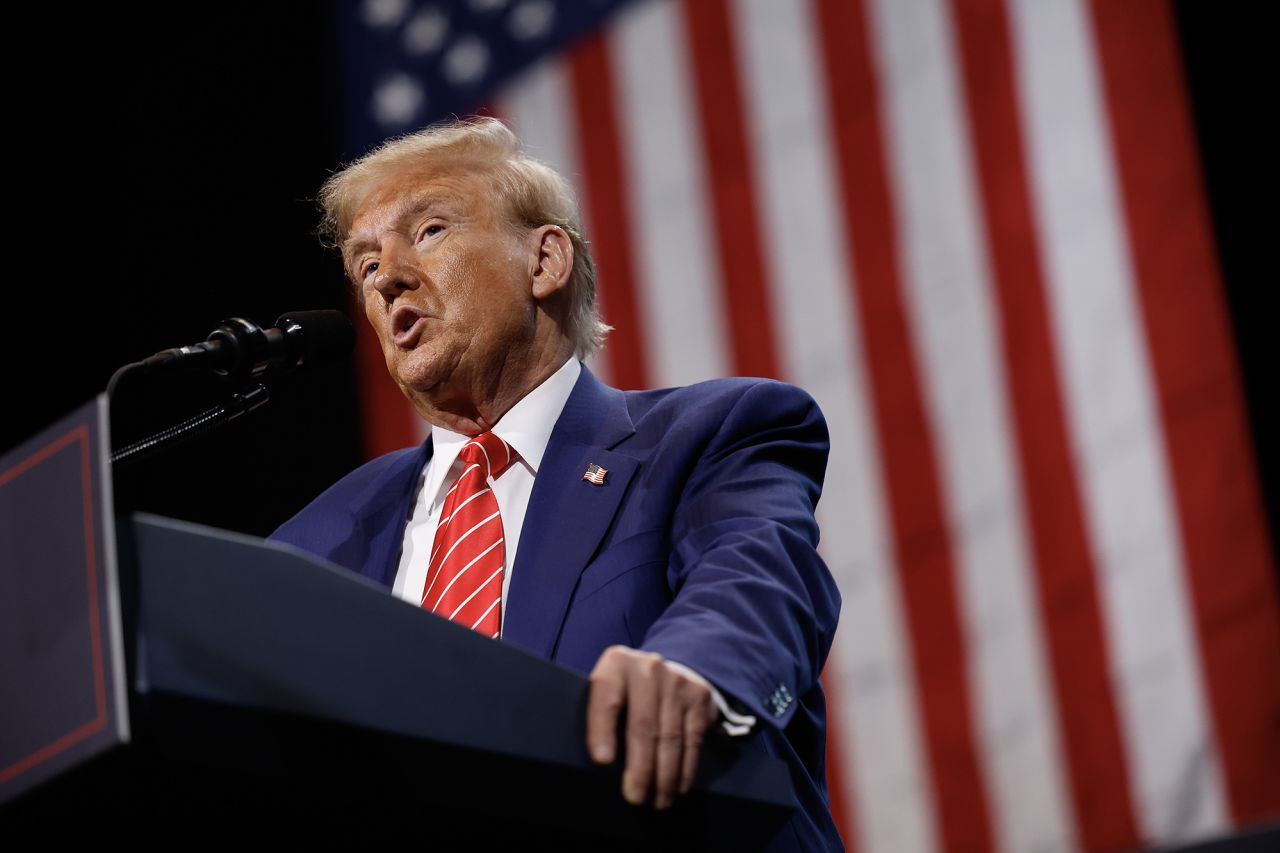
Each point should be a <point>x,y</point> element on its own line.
<point>490,452</point>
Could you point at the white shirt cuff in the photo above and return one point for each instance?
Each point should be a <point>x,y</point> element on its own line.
<point>733,723</point>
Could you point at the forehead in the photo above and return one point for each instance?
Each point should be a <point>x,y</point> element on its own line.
<point>408,190</point>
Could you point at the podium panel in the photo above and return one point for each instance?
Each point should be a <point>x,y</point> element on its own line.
<point>271,689</point>
<point>61,661</point>
<point>276,667</point>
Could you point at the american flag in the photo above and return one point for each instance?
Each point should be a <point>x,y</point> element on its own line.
<point>975,231</point>
<point>595,474</point>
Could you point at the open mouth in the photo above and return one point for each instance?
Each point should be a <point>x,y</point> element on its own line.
<point>403,322</point>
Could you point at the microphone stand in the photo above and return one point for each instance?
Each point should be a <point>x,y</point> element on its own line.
<point>240,403</point>
<point>242,350</point>
<point>242,337</point>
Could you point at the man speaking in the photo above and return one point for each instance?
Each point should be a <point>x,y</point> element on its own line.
<point>661,541</point>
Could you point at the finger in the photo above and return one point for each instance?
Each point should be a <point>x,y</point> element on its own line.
<point>671,725</point>
<point>698,718</point>
<point>643,674</point>
<point>605,702</point>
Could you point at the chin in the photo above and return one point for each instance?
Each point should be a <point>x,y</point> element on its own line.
<point>419,371</point>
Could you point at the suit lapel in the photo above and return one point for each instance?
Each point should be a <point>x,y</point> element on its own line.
<point>567,516</point>
<point>381,511</point>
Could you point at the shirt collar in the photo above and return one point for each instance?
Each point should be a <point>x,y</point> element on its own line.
<point>526,427</point>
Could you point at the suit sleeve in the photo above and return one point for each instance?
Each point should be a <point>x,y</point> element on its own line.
<point>754,607</point>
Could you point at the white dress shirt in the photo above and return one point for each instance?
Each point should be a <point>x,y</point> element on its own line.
<point>527,428</point>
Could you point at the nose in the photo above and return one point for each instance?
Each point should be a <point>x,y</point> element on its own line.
<point>396,270</point>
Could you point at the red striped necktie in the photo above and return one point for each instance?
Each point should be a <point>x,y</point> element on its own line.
<point>464,577</point>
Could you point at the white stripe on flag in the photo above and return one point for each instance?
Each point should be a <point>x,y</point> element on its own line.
<point>539,107</point>
<point>1115,427</point>
<point>809,269</point>
<point>948,298</point>
<point>678,292</point>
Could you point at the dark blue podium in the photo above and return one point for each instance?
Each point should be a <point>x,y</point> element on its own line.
<point>217,681</point>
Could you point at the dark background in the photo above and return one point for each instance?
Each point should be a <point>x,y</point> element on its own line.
<point>162,172</point>
<point>169,171</point>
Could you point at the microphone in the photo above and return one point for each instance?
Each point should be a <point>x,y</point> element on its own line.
<point>243,349</point>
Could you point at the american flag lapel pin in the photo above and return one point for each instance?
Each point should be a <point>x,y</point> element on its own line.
<point>595,474</point>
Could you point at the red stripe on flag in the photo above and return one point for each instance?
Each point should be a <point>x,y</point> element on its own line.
<point>731,188</point>
<point>389,421</point>
<point>1068,591</point>
<point>921,537</point>
<point>1228,555</point>
<point>610,231</point>
<point>839,799</point>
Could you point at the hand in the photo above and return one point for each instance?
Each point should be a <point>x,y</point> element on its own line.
<point>668,712</point>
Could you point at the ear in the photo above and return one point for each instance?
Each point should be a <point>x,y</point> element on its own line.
<point>553,260</point>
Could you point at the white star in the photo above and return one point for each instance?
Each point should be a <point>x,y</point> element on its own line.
<point>383,14</point>
<point>467,60</point>
<point>397,99</point>
<point>531,19</point>
<point>426,32</point>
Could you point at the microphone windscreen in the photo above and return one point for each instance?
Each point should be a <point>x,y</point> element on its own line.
<point>326,334</point>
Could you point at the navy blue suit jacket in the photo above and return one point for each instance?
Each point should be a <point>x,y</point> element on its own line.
<point>699,546</point>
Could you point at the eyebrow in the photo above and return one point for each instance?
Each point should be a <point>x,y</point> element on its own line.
<point>352,245</point>
<point>407,207</point>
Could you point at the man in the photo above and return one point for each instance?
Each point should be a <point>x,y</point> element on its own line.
<point>662,541</point>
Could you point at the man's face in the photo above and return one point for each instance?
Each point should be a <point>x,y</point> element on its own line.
<point>446,284</point>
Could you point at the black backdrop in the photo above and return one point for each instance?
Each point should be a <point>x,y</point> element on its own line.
<point>160,168</point>
<point>168,167</point>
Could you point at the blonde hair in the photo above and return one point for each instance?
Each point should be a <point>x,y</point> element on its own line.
<point>533,192</point>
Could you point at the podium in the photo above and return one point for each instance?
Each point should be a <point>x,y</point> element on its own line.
<point>160,669</point>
